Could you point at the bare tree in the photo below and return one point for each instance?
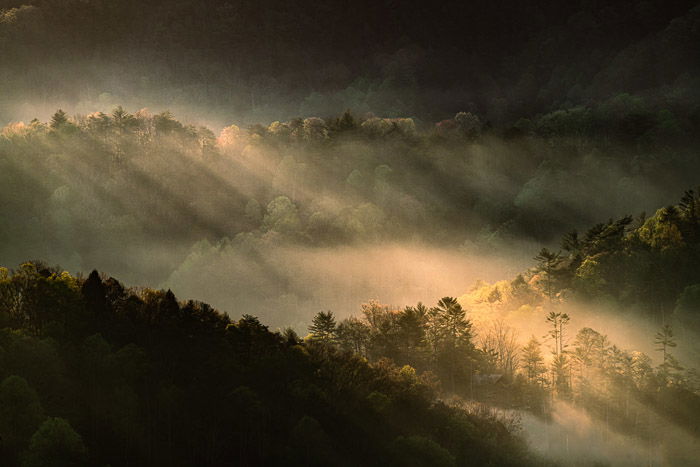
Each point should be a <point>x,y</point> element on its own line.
<point>501,341</point>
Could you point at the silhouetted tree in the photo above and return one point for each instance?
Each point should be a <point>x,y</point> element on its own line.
<point>94,294</point>
<point>448,332</point>
<point>547,264</point>
<point>58,120</point>
<point>323,327</point>
<point>533,363</point>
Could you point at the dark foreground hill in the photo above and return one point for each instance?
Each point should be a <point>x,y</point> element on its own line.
<point>96,374</point>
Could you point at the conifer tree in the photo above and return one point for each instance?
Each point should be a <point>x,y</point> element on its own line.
<point>323,327</point>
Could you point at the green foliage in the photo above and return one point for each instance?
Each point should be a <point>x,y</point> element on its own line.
<point>282,216</point>
<point>447,324</point>
<point>646,263</point>
<point>55,443</point>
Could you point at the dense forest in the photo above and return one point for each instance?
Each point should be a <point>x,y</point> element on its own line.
<point>97,374</point>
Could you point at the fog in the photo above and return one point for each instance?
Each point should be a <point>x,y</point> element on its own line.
<point>572,437</point>
<point>585,433</point>
<point>287,219</point>
<point>287,284</point>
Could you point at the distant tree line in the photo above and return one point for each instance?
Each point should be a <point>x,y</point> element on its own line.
<point>279,58</point>
<point>129,177</point>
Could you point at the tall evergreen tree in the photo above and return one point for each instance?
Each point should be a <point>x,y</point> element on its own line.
<point>533,363</point>
<point>323,327</point>
<point>547,264</point>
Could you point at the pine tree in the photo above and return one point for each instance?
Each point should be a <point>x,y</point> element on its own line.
<point>548,262</point>
<point>323,327</point>
<point>664,341</point>
<point>560,363</point>
<point>58,120</point>
<point>449,333</point>
<point>533,362</point>
<point>347,122</point>
<point>94,297</point>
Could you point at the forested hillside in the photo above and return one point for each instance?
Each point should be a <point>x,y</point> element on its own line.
<point>643,399</point>
<point>93,373</point>
<point>650,263</point>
